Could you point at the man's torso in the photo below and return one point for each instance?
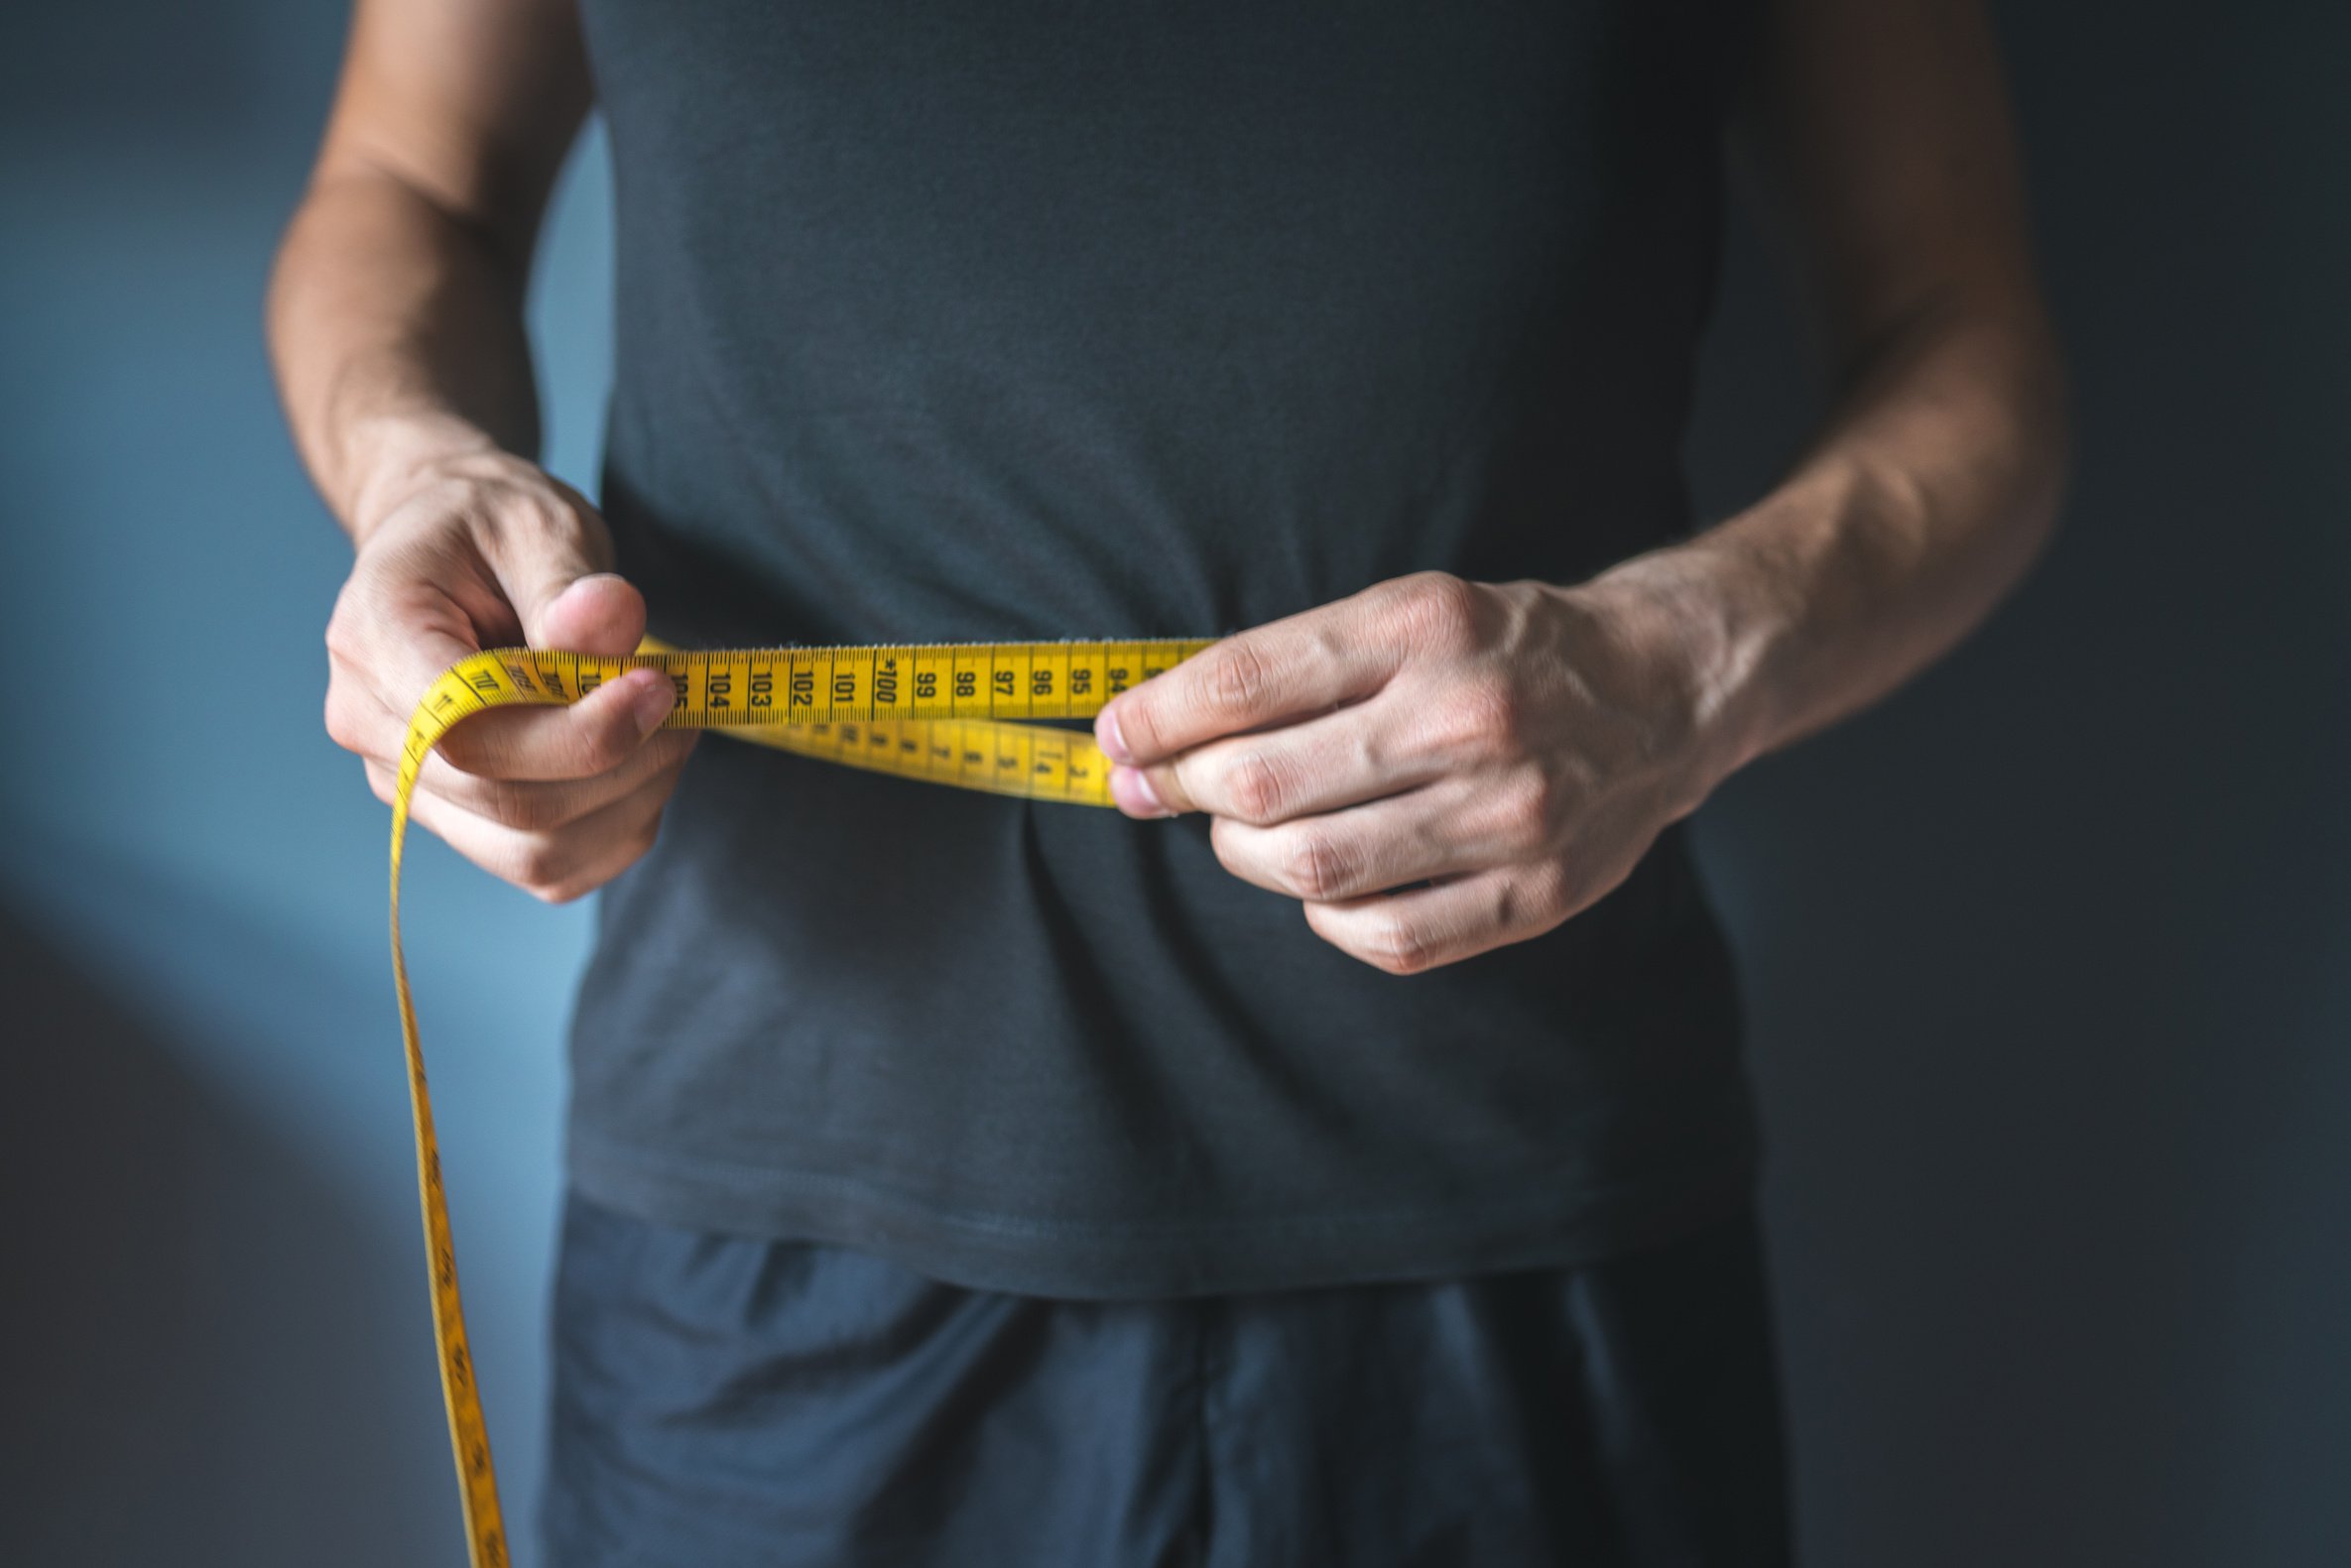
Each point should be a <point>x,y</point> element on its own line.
<point>939,322</point>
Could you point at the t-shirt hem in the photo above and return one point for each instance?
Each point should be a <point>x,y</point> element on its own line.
<point>1533,1227</point>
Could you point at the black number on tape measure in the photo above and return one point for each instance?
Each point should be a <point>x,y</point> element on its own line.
<point>1025,762</point>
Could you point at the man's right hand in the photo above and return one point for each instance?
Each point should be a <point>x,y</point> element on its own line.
<point>482,549</point>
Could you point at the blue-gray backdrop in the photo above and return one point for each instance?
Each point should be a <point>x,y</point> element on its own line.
<point>2049,959</point>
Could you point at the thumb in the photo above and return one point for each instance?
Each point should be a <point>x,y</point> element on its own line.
<point>601,612</point>
<point>556,579</point>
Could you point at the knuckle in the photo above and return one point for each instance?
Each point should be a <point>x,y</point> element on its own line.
<point>538,864</point>
<point>1314,867</point>
<point>1398,946</point>
<point>1258,787</point>
<point>342,726</point>
<point>342,640</point>
<point>1438,610</point>
<point>1238,679</point>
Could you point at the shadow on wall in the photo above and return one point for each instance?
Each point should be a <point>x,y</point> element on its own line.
<point>2047,958</point>
<point>183,1336</point>
<point>214,1331</point>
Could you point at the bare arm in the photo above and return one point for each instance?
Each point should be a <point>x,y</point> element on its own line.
<point>395,326</point>
<point>1876,146</point>
<point>396,311</point>
<point>1519,746</point>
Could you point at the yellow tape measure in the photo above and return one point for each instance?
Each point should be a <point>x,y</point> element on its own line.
<point>953,713</point>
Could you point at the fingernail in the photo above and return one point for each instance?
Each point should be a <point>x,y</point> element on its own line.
<point>1113,744</point>
<point>1132,789</point>
<point>653,705</point>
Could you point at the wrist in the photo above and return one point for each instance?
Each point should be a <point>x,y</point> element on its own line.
<point>1702,627</point>
<point>390,457</point>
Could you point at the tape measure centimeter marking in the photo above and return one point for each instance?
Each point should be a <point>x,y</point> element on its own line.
<point>953,713</point>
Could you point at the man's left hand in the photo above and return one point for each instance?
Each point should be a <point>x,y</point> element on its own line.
<point>1436,766</point>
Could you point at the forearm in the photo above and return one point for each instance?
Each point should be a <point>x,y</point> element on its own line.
<point>1930,489</point>
<point>397,330</point>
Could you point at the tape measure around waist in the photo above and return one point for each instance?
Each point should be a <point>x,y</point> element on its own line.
<point>953,713</point>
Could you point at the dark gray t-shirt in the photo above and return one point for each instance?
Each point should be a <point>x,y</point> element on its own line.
<point>1019,321</point>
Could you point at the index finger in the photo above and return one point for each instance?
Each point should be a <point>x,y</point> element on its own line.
<point>1291,668</point>
<point>580,740</point>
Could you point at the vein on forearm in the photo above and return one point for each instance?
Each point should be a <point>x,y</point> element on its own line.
<point>1927,490</point>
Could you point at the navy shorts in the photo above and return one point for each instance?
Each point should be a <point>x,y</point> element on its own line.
<point>722,1401</point>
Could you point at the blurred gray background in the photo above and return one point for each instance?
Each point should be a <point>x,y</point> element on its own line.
<point>2048,959</point>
